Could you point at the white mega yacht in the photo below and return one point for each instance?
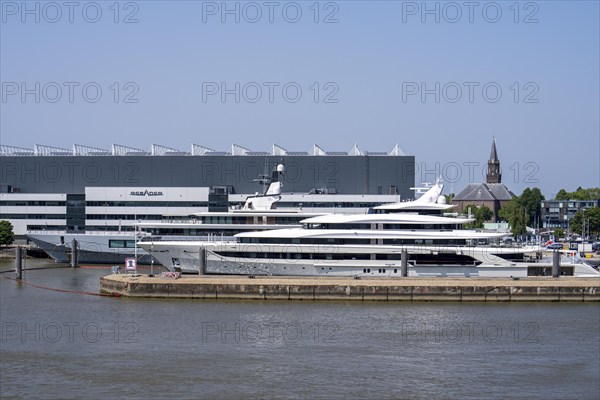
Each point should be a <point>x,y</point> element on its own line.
<point>422,232</point>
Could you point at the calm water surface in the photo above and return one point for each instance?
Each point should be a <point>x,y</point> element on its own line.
<point>72,345</point>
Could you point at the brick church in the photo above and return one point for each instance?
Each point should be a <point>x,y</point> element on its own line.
<point>493,193</point>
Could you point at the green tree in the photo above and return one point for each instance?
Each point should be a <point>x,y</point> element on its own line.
<point>594,193</point>
<point>579,194</point>
<point>6,233</point>
<point>591,215</point>
<point>559,232</point>
<point>481,214</point>
<point>562,195</point>
<point>531,200</point>
<point>516,216</point>
<point>519,222</point>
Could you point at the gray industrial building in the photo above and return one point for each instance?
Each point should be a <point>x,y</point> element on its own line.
<point>45,187</point>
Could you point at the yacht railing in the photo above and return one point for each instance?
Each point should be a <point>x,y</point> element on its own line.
<point>212,238</point>
<point>91,233</point>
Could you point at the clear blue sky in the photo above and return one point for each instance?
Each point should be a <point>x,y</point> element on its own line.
<point>374,58</point>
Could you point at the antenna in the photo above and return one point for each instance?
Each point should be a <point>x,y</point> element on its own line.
<point>265,178</point>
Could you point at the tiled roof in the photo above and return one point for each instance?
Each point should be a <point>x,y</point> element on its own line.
<point>484,192</point>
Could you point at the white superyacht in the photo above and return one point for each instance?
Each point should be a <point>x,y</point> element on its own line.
<point>421,231</point>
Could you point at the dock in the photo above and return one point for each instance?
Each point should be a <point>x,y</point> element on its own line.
<point>218,287</point>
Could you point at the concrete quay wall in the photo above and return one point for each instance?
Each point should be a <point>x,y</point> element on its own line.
<point>407,289</point>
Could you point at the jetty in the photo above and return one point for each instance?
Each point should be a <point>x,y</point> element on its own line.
<point>215,287</point>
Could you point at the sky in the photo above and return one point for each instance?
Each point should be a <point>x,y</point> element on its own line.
<point>440,79</point>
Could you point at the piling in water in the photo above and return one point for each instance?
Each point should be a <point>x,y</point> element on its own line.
<point>555,264</point>
<point>202,258</point>
<point>74,254</point>
<point>19,267</point>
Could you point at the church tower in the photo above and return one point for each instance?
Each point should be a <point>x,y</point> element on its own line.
<point>493,170</point>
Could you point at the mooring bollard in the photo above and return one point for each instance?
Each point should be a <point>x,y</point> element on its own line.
<point>19,259</point>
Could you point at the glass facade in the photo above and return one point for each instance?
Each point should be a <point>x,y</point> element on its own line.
<point>75,212</point>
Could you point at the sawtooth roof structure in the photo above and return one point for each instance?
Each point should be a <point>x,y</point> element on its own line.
<point>195,150</point>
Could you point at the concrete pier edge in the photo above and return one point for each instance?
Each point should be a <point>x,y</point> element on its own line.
<point>372,289</point>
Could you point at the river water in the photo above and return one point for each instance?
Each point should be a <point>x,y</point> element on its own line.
<point>75,345</point>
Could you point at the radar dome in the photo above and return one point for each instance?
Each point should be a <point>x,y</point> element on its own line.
<point>441,200</point>
<point>280,168</point>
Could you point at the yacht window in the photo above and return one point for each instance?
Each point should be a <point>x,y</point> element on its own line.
<point>116,244</point>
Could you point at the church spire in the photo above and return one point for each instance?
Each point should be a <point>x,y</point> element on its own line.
<point>494,153</point>
<point>493,170</point>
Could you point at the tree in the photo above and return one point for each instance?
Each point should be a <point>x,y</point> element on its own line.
<point>559,232</point>
<point>562,195</point>
<point>531,200</point>
<point>484,213</point>
<point>481,214</point>
<point>516,216</point>
<point>591,215</point>
<point>6,233</point>
<point>579,194</point>
<point>594,193</point>
<point>519,222</point>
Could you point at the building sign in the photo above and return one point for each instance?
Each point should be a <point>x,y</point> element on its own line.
<point>146,193</point>
<point>131,264</point>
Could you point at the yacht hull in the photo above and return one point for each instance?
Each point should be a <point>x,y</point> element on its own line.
<point>190,258</point>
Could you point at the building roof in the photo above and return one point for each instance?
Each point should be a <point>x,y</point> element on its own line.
<point>484,192</point>
<point>196,150</point>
